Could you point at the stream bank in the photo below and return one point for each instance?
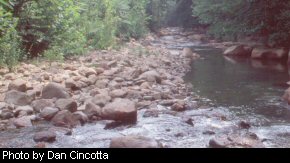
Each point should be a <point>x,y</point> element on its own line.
<point>149,73</point>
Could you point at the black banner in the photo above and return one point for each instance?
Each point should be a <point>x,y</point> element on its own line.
<point>92,155</point>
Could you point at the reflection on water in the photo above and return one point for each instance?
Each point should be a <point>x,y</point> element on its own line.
<point>248,87</point>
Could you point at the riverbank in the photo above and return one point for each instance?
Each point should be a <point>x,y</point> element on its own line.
<point>104,98</point>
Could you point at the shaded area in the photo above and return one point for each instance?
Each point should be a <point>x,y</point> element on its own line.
<point>181,15</point>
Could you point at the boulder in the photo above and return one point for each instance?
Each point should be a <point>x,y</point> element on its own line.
<point>66,104</point>
<point>111,71</point>
<point>18,85</point>
<point>57,79</point>
<point>217,143</point>
<point>71,84</point>
<point>187,53</point>
<point>92,79</point>
<point>179,106</point>
<point>81,116</point>
<point>134,142</point>
<point>6,114</point>
<point>236,141</point>
<point>101,99</point>
<point>92,110</point>
<point>132,94</point>
<point>238,51</point>
<point>70,67</point>
<point>48,113</point>
<point>265,53</point>
<point>24,121</point>
<point>54,90</point>
<point>27,109</point>
<point>122,110</point>
<point>151,76</point>
<point>38,105</point>
<point>10,76</point>
<point>46,76</point>
<point>151,113</point>
<point>101,83</point>
<point>64,118</point>
<point>85,71</point>
<point>114,85</point>
<point>112,63</point>
<point>118,93</point>
<point>99,70</point>
<point>44,136</point>
<point>17,98</point>
<point>244,125</point>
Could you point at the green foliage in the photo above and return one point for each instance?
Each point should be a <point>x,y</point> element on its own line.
<point>133,19</point>
<point>54,54</point>
<point>100,22</point>
<point>106,19</point>
<point>267,19</point>
<point>58,28</point>
<point>159,11</point>
<point>9,40</point>
<point>45,24</point>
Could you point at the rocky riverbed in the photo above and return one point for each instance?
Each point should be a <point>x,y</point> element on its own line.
<point>131,97</point>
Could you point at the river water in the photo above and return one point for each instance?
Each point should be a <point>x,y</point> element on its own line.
<point>249,89</point>
<point>245,86</point>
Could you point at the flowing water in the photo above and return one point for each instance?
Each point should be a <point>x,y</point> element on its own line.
<point>245,86</point>
<point>249,89</point>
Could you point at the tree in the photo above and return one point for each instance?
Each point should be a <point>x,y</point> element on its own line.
<point>181,14</point>
<point>229,19</point>
<point>9,40</point>
<point>158,10</point>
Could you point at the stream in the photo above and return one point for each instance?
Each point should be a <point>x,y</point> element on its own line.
<point>229,91</point>
<point>249,89</point>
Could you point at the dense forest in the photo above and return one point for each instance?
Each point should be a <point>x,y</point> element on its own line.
<point>58,28</point>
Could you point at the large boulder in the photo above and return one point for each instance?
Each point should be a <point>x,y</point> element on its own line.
<point>38,105</point>
<point>122,110</point>
<point>118,93</point>
<point>71,84</point>
<point>92,110</point>
<point>85,71</point>
<point>134,142</point>
<point>24,121</point>
<point>6,114</point>
<point>81,116</point>
<point>67,104</point>
<point>64,118</point>
<point>238,51</point>
<point>54,90</point>
<point>48,112</point>
<point>23,110</point>
<point>101,99</point>
<point>44,136</point>
<point>17,98</point>
<point>18,85</point>
<point>151,76</point>
<point>236,141</point>
<point>265,53</point>
<point>187,52</point>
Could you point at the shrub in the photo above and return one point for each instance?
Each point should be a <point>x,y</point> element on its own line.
<point>9,40</point>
